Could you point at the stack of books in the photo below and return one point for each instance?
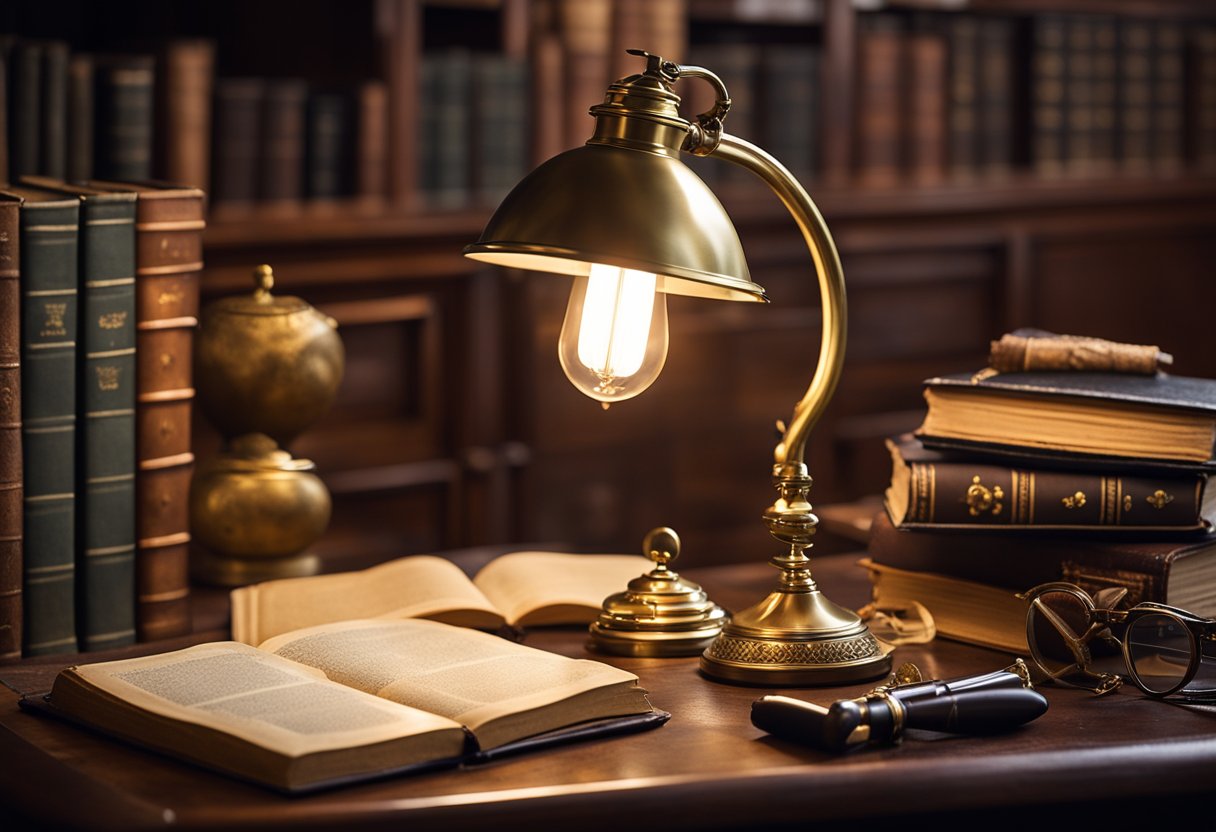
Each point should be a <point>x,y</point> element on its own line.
<point>1015,479</point>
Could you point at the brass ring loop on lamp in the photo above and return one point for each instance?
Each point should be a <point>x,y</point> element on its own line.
<point>626,218</point>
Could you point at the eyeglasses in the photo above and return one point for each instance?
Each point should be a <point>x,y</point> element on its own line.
<point>1083,641</point>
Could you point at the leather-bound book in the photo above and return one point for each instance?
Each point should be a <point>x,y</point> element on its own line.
<point>371,159</point>
<point>1105,94</point>
<point>25,108</point>
<point>54,109</point>
<point>49,243</point>
<point>926,102</point>
<point>1169,570</point>
<point>168,260</point>
<point>789,106</point>
<point>941,490</point>
<point>183,111</point>
<point>237,141</point>
<point>446,84</point>
<point>586,32</point>
<point>1100,420</point>
<point>123,106</point>
<point>995,126</point>
<point>880,138</point>
<point>1079,95</point>
<point>1168,96</point>
<point>1048,101</point>
<point>105,436</point>
<point>329,150</point>
<point>80,118</point>
<point>1135,94</point>
<point>11,470</point>
<point>500,126</point>
<point>283,131</point>
<point>962,35</point>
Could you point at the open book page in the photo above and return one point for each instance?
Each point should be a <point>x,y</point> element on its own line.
<point>501,690</point>
<point>532,588</point>
<point>418,586</point>
<point>238,690</point>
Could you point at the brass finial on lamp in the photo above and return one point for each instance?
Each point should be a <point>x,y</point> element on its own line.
<point>631,223</point>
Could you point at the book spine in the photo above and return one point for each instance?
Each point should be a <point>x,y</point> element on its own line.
<point>1079,114</point>
<point>1168,96</point>
<point>105,512</point>
<point>879,91</point>
<point>788,105</point>
<point>329,151</point>
<point>1007,561</point>
<point>991,496</point>
<point>586,34</point>
<point>926,99</point>
<point>54,110</point>
<point>169,259</point>
<point>237,148</point>
<point>25,109</point>
<point>123,125</point>
<point>80,119</point>
<point>371,174</point>
<point>447,85</point>
<point>500,138</point>
<point>11,470</point>
<point>49,243</point>
<point>184,112</point>
<point>1049,105</point>
<point>963,104</point>
<point>283,131</point>
<point>996,94</point>
<point>1135,95</point>
<point>1105,95</point>
<point>1203,106</point>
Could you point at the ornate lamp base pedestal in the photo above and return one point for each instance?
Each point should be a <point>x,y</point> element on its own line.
<point>796,638</point>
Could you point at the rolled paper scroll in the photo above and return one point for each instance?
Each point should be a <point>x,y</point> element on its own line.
<point>1019,352</point>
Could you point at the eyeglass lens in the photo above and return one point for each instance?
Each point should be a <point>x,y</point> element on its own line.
<point>1059,628</point>
<point>1159,647</point>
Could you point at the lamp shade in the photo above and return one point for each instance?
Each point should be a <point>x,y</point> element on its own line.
<point>624,207</point>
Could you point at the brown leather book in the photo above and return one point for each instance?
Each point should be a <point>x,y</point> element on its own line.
<point>372,158</point>
<point>185,80</point>
<point>926,103</point>
<point>935,490</point>
<point>1176,570</point>
<point>169,258</point>
<point>879,91</point>
<point>11,492</point>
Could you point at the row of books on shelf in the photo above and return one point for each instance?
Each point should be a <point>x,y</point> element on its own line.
<point>98,304</point>
<point>251,141</point>
<point>1095,478</point>
<point>965,94</point>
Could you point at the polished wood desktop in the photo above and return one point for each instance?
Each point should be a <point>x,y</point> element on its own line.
<point>1107,759</point>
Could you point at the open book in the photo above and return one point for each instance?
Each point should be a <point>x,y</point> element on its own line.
<point>348,701</point>
<point>519,589</point>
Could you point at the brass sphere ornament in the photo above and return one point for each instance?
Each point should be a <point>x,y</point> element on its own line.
<point>660,613</point>
<point>259,509</point>
<point>265,363</point>
<point>265,367</point>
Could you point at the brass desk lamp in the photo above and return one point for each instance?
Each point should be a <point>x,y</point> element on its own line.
<point>630,222</point>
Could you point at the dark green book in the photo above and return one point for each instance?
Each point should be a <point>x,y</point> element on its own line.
<point>105,439</point>
<point>48,241</point>
<point>123,123</point>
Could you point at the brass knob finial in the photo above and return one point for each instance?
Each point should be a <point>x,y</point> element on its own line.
<point>661,545</point>
<point>263,281</point>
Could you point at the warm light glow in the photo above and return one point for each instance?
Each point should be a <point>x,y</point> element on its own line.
<point>614,339</point>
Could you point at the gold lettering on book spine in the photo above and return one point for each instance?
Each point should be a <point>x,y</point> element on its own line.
<point>108,377</point>
<point>112,320</point>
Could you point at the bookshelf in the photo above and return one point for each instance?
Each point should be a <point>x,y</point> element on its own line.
<point>455,427</point>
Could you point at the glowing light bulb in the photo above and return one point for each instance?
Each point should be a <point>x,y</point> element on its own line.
<point>614,338</point>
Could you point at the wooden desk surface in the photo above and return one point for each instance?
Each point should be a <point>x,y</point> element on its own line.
<point>708,768</point>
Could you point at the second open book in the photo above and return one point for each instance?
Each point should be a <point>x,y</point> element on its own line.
<point>519,589</point>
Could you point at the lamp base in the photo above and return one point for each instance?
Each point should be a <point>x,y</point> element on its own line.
<point>796,637</point>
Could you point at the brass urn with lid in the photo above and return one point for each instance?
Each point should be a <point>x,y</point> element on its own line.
<point>265,367</point>
<point>266,363</point>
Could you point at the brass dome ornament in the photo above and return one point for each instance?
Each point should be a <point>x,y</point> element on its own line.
<point>630,222</point>
<point>266,367</point>
<point>660,613</point>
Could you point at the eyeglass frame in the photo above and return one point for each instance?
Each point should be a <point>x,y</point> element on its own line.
<point>1198,628</point>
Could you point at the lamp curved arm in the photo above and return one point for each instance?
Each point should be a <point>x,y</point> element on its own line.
<point>814,230</point>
